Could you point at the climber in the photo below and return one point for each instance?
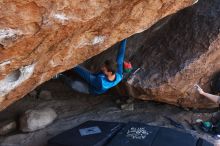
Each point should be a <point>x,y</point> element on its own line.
<point>98,83</point>
<point>212,125</point>
<point>215,87</point>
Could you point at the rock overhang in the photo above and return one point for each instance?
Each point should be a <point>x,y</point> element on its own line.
<point>53,36</point>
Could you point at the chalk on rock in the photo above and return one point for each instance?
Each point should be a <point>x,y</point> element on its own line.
<point>45,94</point>
<point>33,120</point>
<point>7,127</point>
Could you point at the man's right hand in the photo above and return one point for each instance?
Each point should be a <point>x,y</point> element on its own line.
<point>199,89</point>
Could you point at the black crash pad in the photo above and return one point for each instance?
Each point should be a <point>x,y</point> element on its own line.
<point>170,137</point>
<point>91,133</point>
<point>206,143</point>
<point>135,134</point>
<point>138,134</point>
<point>202,142</point>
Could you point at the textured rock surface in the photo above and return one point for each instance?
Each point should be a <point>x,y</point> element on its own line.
<point>42,38</point>
<point>45,95</point>
<point>173,55</point>
<point>33,120</point>
<point>7,127</point>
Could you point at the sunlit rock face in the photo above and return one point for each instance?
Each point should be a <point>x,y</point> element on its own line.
<point>174,54</point>
<point>40,38</point>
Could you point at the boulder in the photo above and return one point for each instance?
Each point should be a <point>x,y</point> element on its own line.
<point>39,39</point>
<point>33,120</point>
<point>170,57</point>
<point>7,127</point>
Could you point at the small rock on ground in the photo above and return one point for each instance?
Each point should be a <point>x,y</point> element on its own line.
<point>33,120</point>
<point>7,127</point>
<point>127,107</point>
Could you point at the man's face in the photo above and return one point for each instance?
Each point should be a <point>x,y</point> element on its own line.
<point>105,71</point>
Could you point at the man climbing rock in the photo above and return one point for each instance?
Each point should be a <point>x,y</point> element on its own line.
<point>98,83</point>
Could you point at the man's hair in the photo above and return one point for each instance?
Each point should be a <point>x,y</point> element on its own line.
<point>111,66</point>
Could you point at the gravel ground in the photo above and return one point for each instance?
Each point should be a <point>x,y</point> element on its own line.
<point>74,108</point>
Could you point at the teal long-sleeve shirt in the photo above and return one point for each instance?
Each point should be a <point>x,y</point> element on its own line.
<point>99,83</point>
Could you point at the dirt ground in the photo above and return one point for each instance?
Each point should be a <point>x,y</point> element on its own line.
<point>74,108</point>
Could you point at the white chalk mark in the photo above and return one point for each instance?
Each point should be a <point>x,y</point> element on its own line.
<point>162,24</point>
<point>61,17</point>
<point>141,30</point>
<point>82,43</point>
<point>98,40</point>
<point>52,63</point>
<point>195,1</point>
<point>8,33</point>
<point>5,63</point>
<point>14,79</point>
<point>2,65</point>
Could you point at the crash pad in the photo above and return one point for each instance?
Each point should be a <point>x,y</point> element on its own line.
<point>139,134</point>
<point>90,133</point>
<point>99,133</point>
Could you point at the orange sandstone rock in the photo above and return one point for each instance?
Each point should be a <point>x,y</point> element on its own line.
<point>40,38</point>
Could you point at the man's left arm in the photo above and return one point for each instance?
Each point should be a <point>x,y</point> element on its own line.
<point>120,57</point>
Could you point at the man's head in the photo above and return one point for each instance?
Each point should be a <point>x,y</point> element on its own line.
<point>109,67</point>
